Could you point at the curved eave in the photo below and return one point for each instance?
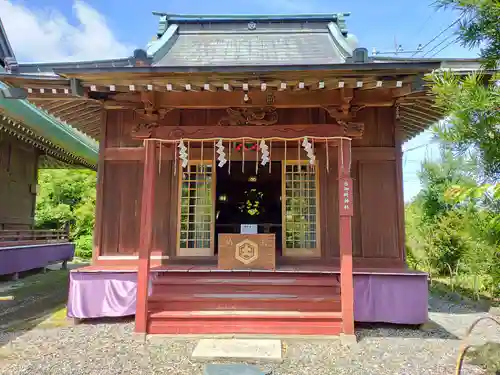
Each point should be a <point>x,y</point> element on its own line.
<point>60,157</point>
<point>49,128</point>
<point>195,18</point>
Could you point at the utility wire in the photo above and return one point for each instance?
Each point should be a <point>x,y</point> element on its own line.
<point>439,44</point>
<point>446,46</point>
<point>417,34</point>
<point>441,33</point>
<point>422,145</point>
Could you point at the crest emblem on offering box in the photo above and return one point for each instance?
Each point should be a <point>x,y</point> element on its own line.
<point>246,251</point>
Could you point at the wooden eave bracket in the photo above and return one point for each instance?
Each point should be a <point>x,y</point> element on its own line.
<point>76,87</point>
<point>149,117</point>
<point>346,112</point>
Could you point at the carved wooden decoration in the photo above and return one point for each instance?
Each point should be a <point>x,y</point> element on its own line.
<point>341,114</point>
<point>172,133</point>
<point>250,116</point>
<point>351,128</point>
<point>148,119</point>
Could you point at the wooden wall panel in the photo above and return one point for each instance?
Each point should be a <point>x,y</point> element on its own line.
<point>378,209</point>
<point>165,210</point>
<point>18,176</point>
<point>356,220</point>
<point>130,189</point>
<point>379,127</point>
<point>121,207</point>
<point>119,127</point>
<point>110,224</point>
<point>329,210</point>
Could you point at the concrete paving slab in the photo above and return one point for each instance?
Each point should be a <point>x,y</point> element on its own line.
<point>241,349</point>
<point>234,369</point>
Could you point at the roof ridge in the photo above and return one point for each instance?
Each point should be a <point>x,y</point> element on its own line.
<point>166,19</point>
<point>253,16</point>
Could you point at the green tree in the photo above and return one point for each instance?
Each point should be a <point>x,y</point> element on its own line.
<point>473,102</point>
<point>478,27</point>
<point>68,196</point>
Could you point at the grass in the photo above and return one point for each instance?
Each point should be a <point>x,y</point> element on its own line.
<point>34,299</point>
<point>462,290</point>
<point>486,356</point>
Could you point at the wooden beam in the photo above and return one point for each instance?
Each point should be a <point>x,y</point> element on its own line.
<point>124,153</point>
<point>414,123</point>
<point>49,106</point>
<point>422,113</point>
<point>146,235</point>
<point>81,114</point>
<point>66,107</point>
<point>280,99</point>
<point>429,106</point>
<point>354,130</point>
<point>418,116</point>
<point>373,153</point>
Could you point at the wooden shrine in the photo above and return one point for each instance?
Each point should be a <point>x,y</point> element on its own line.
<point>196,142</point>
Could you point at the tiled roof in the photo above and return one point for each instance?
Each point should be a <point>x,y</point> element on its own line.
<point>243,43</point>
<point>252,49</point>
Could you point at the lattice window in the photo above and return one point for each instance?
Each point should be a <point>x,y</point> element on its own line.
<point>196,208</point>
<point>300,209</point>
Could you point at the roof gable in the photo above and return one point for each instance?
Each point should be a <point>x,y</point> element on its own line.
<point>250,40</point>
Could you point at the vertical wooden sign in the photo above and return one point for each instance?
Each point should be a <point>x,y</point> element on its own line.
<point>345,197</point>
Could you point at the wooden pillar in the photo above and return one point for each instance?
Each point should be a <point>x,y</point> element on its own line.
<point>146,234</point>
<point>99,199</point>
<point>399,194</point>
<point>345,235</point>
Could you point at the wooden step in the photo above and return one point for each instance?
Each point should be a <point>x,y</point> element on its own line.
<point>254,288</point>
<point>238,282</point>
<point>243,301</point>
<point>236,278</point>
<point>245,322</point>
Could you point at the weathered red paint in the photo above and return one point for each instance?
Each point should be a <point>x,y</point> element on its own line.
<point>146,235</point>
<point>345,242</point>
<point>217,302</point>
<point>346,200</point>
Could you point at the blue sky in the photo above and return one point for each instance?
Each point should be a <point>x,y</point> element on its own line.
<point>60,29</point>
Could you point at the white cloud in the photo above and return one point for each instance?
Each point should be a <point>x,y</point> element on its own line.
<point>46,35</point>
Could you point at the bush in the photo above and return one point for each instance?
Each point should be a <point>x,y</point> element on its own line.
<point>446,243</point>
<point>84,245</point>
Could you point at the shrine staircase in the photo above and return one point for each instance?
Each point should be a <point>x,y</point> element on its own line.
<point>245,303</point>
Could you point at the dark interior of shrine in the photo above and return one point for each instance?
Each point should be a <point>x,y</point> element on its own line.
<point>246,197</point>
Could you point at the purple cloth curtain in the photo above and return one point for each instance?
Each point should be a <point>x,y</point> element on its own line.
<point>101,294</point>
<point>400,299</point>
<point>377,298</point>
<point>23,258</point>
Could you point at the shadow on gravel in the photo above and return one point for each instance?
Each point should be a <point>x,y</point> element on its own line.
<point>35,297</point>
<point>460,300</point>
<point>110,320</point>
<point>430,330</point>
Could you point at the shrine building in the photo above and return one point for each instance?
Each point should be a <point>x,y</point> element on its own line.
<point>249,176</point>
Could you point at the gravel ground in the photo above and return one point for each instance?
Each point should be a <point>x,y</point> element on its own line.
<point>111,348</point>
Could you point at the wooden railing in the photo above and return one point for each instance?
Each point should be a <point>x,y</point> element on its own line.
<point>32,237</point>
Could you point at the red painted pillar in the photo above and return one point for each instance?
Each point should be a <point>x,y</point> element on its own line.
<point>345,235</point>
<point>146,234</point>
